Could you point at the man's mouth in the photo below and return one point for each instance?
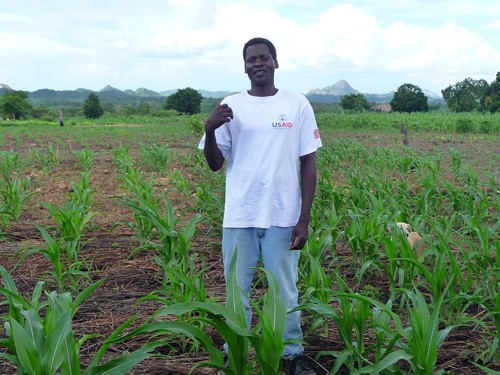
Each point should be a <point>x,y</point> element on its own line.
<point>259,72</point>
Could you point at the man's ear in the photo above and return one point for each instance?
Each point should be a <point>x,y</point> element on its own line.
<point>276,65</point>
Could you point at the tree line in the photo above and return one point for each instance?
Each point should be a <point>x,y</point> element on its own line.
<point>14,105</point>
<point>466,96</point>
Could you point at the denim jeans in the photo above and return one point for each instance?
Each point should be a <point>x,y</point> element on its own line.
<point>273,245</point>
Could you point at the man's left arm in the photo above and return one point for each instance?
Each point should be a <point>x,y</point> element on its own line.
<point>307,187</point>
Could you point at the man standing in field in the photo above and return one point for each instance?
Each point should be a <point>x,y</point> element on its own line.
<point>268,138</point>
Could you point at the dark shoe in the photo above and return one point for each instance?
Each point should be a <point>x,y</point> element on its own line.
<point>298,365</point>
<point>226,364</point>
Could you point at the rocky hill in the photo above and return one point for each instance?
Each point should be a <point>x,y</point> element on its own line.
<point>338,89</point>
<point>334,93</point>
<point>3,88</point>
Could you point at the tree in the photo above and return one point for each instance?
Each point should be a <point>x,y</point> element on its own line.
<point>185,100</point>
<point>466,96</point>
<point>409,98</point>
<point>356,102</point>
<point>92,107</point>
<point>14,104</point>
<point>492,96</point>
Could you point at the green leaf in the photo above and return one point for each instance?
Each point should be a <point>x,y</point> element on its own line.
<point>386,362</point>
<point>33,327</point>
<point>269,345</point>
<point>55,342</point>
<point>84,294</point>
<point>274,310</point>
<point>233,294</point>
<point>29,357</point>
<point>486,369</point>
<point>233,320</point>
<point>105,345</point>
<point>8,282</point>
<point>124,363</point>
<point>190,228</point>
<point>71,361</point>
<point>176,328</point>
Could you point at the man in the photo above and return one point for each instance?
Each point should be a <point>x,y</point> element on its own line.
<point>268,138</point>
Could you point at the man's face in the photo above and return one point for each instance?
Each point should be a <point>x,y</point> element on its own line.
<point>260,65</point>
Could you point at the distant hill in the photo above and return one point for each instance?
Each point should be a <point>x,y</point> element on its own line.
<point>3,88</point>
<point>62,98</point>
<point>338,89</point>
<point>110,94</point>
<point>143,92</point>
<point>204,93</point>
<point>214,94</point>
<point>334,93</point>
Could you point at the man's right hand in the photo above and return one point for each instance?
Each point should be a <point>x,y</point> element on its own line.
<point>221,114</point>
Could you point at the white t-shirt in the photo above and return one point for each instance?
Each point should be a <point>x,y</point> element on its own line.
<point>262,145</point>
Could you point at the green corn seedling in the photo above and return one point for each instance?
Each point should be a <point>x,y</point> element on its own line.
<point>156,155</point>
<point>81,192</point>
<point>266,338</point>
<point>66,269</point>
<point>40,340</point>
<point>353,314</point>
<point>14,188</point>
<point>423,337</point>
<point>71,220</point>
<point>86,159</point>
<point>14,194</point>
<point>171,245</point>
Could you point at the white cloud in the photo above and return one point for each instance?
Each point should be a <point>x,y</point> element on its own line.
<point>494,25</point>
<point>174,43</point>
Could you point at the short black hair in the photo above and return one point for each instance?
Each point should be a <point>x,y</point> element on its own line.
<point>265,41</point>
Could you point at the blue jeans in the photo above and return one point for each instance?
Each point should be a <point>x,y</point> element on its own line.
<point>273,244</point>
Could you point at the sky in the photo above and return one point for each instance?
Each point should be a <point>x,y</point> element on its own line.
<point>375,46</point>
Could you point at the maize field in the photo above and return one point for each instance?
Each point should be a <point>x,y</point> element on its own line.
<point>110,257</point>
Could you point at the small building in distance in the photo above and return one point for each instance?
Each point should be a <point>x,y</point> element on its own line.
<point>382,108</point>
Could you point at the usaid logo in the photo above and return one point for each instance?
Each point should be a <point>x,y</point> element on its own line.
<point>282,122</point>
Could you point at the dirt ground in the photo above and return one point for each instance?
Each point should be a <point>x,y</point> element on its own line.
<point>129,278</point>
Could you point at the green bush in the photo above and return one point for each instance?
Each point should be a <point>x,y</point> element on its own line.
<point>197,123</point>
<point>465,125</point>
<point>166,113</point>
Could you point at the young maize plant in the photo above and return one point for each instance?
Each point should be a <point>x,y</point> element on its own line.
<point>170,244</point>
<point>14,193</point>
<point>86,159</point>
<point>181,284</point>
<point>366,231</point>
<point>156,155</point>
<point>46,159</point>
<point>40,340</point>
<point>14,188</point>
<point>396,262</point>
<point>81,191</point>
<point>65,270</point>
<point>144,194</point>
<point>230,322</point>
<point>354,316</point>
<point>63,246</point>
<point>210,204</point>
<point>71,221</point>
<point>423,337</point>
<point>180,181</point>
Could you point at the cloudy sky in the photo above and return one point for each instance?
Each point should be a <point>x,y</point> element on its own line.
<point>170,44</point>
